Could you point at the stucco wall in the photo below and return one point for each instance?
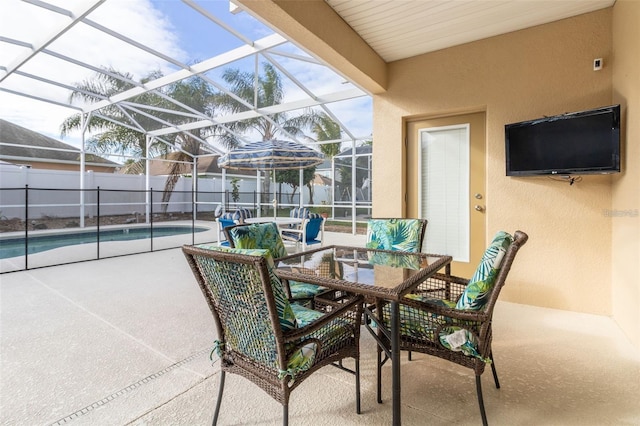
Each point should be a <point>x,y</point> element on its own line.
<point>545,70</point>
<point>626,192</point>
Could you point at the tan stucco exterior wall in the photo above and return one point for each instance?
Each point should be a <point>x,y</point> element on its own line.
<point>578,258</point>
<point>625,257</point>
<point>545,70</point>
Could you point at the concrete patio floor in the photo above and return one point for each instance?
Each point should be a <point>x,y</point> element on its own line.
<point>126,341</point>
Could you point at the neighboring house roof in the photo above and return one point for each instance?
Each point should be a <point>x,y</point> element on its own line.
<point>206,165</point>
<point>35,147</point>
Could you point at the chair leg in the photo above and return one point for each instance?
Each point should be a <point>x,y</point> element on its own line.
<point>285,415</point>
<point>358,386</point>
<point>409,356</point>
<point>379,375</point>
<point>220,389</point>
<point>495,373</point>
<point>480,401</point>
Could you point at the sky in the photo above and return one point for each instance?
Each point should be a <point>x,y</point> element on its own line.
<point>168,26</point>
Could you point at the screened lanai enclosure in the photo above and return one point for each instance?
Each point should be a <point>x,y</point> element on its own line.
<point>158,91</point>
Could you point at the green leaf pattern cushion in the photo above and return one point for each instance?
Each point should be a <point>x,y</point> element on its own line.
<point>300,290</point>
<point>462,340</point>
<point>394,234</point>
<point>475,295</point>
<point>285,313</point>
<point>259,236</point>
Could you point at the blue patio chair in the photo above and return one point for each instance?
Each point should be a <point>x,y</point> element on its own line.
<point>311,231</point>
<point>224,221</point>
<point>261,336</point>
<point>267,236</point>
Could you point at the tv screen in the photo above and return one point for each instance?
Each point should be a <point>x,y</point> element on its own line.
<point>584,142</point>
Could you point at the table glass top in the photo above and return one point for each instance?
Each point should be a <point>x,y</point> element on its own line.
<point>374,268</point>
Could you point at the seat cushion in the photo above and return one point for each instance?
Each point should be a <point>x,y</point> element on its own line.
<point>477,291</point>
<point>259,236</point>
<point>286,315</point>
<point>304,290</point>
<point>394,234</point>
<point>462,340</point>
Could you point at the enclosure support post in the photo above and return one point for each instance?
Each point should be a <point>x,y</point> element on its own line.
<point>147,182</point>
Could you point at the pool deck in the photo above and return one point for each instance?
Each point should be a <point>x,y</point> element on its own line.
<point>126,341</point>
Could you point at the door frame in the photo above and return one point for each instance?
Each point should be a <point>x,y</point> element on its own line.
<point>477,182</point>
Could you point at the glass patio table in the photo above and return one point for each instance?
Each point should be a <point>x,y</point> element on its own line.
<point>379,275</point>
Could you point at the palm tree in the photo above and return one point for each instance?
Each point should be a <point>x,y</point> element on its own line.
<point>115,138</point>
<point>249,91</point>
<point>112,137</point>
<point>325,129</point>
<point>197,94</point>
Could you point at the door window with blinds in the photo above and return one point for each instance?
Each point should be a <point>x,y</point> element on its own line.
<point>443,188</point>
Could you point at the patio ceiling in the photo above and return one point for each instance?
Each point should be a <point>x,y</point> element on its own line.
<point>399,30</point>
<point>56,35</point>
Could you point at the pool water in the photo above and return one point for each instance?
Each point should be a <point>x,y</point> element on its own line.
<point>12,247</point>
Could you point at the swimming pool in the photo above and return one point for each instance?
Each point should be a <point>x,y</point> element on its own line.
<point>13,247</point>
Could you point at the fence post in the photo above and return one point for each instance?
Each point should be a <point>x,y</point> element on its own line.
<point>150,217</point>
<point>26,227</point>
<point>98,221</point>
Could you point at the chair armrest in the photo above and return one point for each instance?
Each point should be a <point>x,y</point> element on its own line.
<point>455,314</point>
<point>350,311</point>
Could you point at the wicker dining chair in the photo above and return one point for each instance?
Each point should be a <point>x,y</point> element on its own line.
<point>261,336</point>
<point>267,236</point>
<point>451,317</point>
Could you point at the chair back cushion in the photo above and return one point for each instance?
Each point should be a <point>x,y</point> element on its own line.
<point>395,234</point>
<point>475,295</point>
<point>258,236</point>
<point>299,212</point>
<point>227,216</point>
<point>241,214</point>
<point>285,312</point>
<point>313,228</point>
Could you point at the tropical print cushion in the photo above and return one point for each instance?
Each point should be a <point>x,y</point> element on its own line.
<point>285,313</point>
<point>462,340</point>
<point>476,293</point>
<point>413,325</point>
<point>395,260</point>
<point>259,236</point>
<point>304,315</point>
<point>412,322</point>
<point>301,359</point>
<point>304,290</point>
<point>394,234</point>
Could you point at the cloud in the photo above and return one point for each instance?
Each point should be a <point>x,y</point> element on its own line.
<point>148,24</point>
<point>136,19</point>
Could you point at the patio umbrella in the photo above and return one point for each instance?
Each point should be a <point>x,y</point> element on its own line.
<point>271,155</point>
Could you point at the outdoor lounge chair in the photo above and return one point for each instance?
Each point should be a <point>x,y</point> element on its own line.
<point>274,344</point>
<point>450,317</point>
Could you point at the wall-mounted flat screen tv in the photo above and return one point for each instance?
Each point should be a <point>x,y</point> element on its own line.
<point>584,142</point>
